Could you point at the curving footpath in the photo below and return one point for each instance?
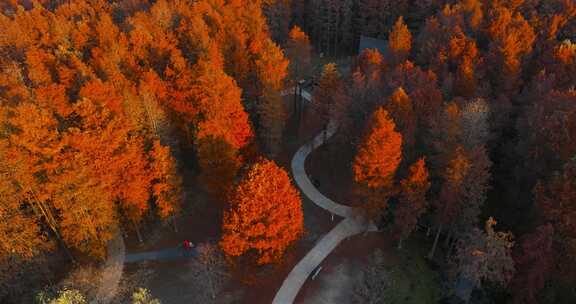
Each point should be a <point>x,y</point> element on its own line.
<point>352,224</point>
<point>112,271</point>
<point>302,180</point>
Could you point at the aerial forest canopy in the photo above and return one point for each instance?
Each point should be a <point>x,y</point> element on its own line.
<point>96,100</point>
<point>466,114</point>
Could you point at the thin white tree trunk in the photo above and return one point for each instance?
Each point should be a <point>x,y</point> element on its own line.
<point>431,254</point>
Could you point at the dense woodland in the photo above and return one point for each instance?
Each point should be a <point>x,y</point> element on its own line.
<point>465,126</point>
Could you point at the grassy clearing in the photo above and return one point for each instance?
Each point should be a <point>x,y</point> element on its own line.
<point>411,279</point>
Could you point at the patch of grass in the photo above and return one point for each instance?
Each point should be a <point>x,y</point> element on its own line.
<point>558,292</point>
<point>411,279</point>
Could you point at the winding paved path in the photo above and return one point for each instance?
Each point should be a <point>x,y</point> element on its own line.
<point>352,223</point>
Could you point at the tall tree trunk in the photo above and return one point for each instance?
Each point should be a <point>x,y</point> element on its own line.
<point>452,245</point>
<point>433,249</point>
<point>41,210</point>
<point>449,234</point>
<point>336,29</point>
<point>209,275</point>
<point>138,234</point>
<point>295,105</point>
<point>174,224</point>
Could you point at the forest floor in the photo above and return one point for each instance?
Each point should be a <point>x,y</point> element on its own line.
<point>199,222</point>
<point>343,265</point>
<point>410,279</point>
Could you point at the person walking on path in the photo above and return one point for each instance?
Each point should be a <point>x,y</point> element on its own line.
<point>187,247</point>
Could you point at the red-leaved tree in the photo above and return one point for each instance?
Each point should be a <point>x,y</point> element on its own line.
<point>265,214</point>
<point>534,263</point>
<point>376,161</point>
<point>412,202</point>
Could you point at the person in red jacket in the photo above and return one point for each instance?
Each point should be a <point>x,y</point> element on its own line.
<point>187,247</point>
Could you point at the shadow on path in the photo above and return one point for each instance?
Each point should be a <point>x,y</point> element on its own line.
<point>165,254</point>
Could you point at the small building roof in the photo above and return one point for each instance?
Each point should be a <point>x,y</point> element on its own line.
<point>373,43</point>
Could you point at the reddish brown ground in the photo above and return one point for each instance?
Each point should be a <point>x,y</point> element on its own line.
<point>353,250</point>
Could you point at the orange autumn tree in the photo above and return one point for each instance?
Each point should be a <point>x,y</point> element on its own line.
<point>222,126</point>
<point>107,139</point>
<point>104,93</point>
<point>218,99</point>
<point>23,242</point>
<point>420,85</point>
<point>412,202</point>
<point>446,46</point>
<point>371,64</point>
<point>56,182</point>
<point>449,204</point>
<point>330,99</point>
<point>556,199</point>
<point>265,214</point>
<point>272,120</point>
<point>400,41</point>
<point>83,78</point>
<point>101,139</point>
<point>167,182</point>
<point>271,66</point>
<point>87,213</point>
<point>299,52</point>
<point>22,238</point>
<point>376,161</point>
<point>220,163</point>
<point>511,42</point>
<point>365,91</point>
<point>30,140</point>
<point>271,70</point>
<point>402,111</point>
